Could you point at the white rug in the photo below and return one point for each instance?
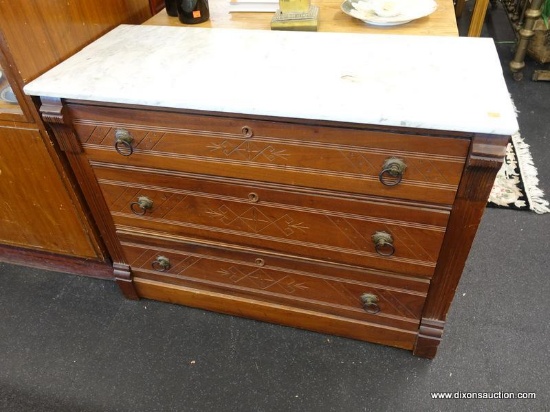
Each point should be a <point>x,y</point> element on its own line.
<point>516,184</point>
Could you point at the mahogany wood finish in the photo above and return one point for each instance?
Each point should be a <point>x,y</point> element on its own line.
<point>484,161</point>
<point>237,219</point>
<point>305,224</point>
<point>55,262</point>
<point>429,337</point>
<point>325,288</point>
<point>52,112</point>
<point>275,313</point>
<point>156,5</point>
<point>276,152</point>
<point>123,277</point>
<point>42,208</point>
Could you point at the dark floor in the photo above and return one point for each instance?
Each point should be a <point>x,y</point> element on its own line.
<point>70,343</point>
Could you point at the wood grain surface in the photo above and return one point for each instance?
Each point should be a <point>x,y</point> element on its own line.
<point>331,19</point>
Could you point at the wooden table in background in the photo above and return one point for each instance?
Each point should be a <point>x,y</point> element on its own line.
<point>331,19</point>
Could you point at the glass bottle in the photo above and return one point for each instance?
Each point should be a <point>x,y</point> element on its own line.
<point>193,11</point>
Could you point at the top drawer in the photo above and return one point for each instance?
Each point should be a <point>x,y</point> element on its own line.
<point>351,159</point>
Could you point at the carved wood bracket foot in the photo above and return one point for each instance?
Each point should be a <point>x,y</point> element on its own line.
<point>429,337</point>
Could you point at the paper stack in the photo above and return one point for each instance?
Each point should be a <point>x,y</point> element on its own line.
<point>253,6</point>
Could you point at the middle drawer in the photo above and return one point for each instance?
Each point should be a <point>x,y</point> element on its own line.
<point>318,225</point>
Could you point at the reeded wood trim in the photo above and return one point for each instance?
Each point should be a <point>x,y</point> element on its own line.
<point>53,113</point>
<point>484,160</point>
<point>56,263</point>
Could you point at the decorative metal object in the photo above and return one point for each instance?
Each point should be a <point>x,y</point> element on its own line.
<point>526,32</point>
<point>141,206</point>
<point>370,303</point>
<point>161,264</point>
<point>123,142</point>
<point>383,243</point>
<point>392,171</point>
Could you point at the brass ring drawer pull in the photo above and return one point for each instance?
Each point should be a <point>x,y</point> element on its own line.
<point>161,264</point>
<point>370,303</point>
<point>141,206</point>
<point>392,171</point>
<point>383,243</point>
<point>247,131</point>
<point>123,142</point>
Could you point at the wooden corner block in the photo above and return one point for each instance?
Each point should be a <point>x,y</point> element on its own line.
<point>429,337</point>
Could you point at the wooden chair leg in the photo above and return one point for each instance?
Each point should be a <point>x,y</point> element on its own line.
<point>459,7</point>
<point>478,18</point>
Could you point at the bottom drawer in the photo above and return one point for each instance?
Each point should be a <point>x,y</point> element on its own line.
<point>390,300</point>
<point>274,313</point>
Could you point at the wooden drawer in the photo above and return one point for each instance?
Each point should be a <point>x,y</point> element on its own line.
<point>348,159</point>
<point>328,289</point>
<point>271,217</point>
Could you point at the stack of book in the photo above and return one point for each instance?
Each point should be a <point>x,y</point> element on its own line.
<point>254,6</point>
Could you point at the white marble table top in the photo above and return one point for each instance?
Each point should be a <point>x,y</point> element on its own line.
<point>442,83</point>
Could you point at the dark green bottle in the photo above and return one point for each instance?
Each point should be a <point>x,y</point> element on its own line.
<point>193,11</point>
<point>171,7</point>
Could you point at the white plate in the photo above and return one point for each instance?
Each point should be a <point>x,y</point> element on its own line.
<point>383,24</point>
<point>409,10</point>
<point>7,95</point>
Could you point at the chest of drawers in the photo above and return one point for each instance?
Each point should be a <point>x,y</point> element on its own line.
<point>343,227</point>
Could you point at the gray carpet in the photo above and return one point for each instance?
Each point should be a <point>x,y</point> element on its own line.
<point>70,343</point>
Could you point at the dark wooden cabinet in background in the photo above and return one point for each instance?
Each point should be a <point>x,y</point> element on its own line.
<point>42,218</point>
<point>156,6</point>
